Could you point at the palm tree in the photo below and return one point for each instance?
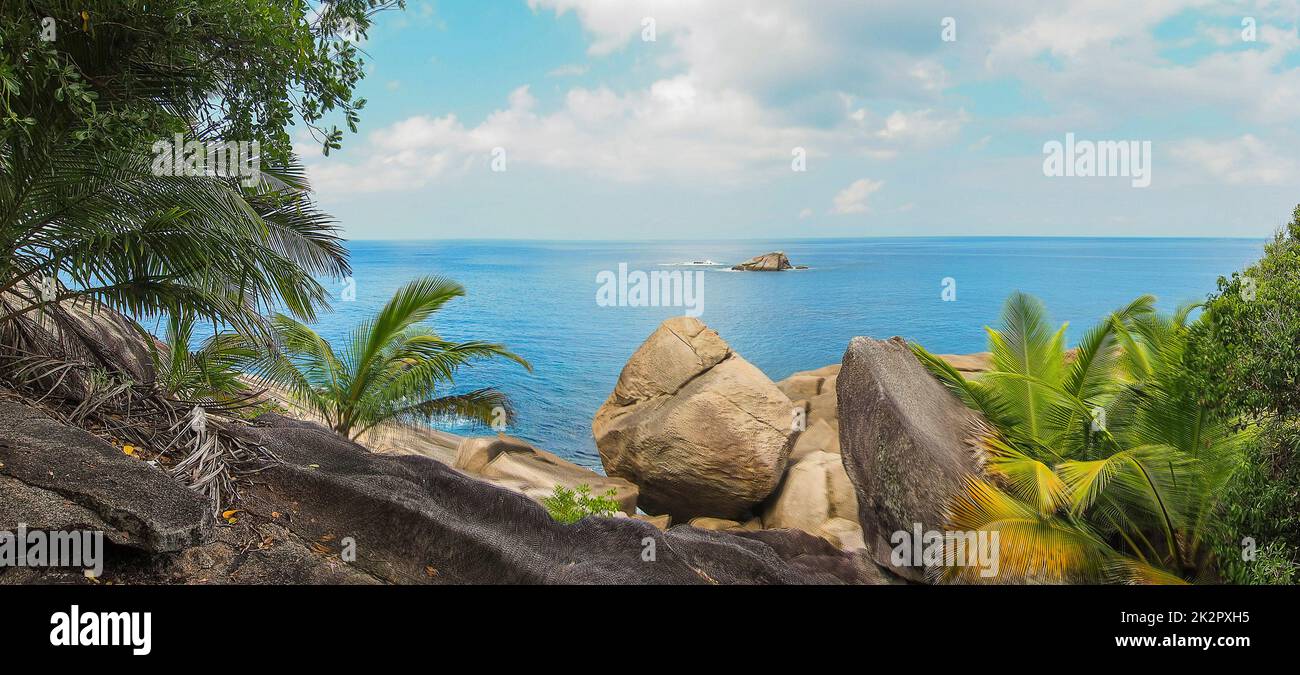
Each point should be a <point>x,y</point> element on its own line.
<point>87,224</point>
<point>82,209</point>
<point>391,372</point>
<point>1100,466</point>
<point>115,233</point>
<point>207,375</point>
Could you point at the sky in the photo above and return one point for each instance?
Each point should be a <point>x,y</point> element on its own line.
<point>789,119</point>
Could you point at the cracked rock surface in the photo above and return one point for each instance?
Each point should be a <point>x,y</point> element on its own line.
<point>699,429</point>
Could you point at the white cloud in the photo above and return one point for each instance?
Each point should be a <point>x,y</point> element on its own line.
<point>1105,58</point>
<point>853,199</point>
<point>921,125</point>
<point>774,49</point>
<point>1245,160</point>
<point>786,52</point>
<point>868,88</point>
<point>674,130</point>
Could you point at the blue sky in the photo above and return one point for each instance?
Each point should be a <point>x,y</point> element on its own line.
<point>607,135</point>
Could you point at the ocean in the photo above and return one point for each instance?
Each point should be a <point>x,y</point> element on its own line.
<point>539,298</point>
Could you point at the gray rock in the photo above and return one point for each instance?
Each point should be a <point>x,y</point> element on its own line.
<point>903,440</point>
<point>768,262</point>
<point>819,559</point>
<point>769,557</point>
<point>410,515</point>
<point>146,507</point>
<point>84,331</point>
<point>409,519</point>
<point>40,509</point>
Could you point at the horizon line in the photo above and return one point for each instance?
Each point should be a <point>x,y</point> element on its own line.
<point>760,239</point>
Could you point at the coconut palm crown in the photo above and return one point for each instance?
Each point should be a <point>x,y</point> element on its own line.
<point>391,372</point>
<point>1100,465</point>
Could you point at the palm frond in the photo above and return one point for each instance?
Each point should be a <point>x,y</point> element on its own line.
<point>391,372</point>
<point>1031,547</point>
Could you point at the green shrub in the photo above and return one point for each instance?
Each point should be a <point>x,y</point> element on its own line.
<point>1245,360</point>
<point>1247,353</point>
<point>1262,502</point>
<point>569,506</point>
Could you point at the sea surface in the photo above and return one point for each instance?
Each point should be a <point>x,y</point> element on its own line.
<point>540,299</point>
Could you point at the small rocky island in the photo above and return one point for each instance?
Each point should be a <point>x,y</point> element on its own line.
<point>776,261</point>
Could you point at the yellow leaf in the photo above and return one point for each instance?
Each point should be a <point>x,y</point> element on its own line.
<point>85,21</point>
<point>227,514</point>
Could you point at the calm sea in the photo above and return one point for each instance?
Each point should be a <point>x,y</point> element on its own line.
<point>539,298</point>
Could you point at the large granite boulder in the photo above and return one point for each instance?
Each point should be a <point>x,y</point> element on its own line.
<point>768,262</point>
<point>816,389</point>
<point>820,556</point>
<point>815,490</point>
<point>82,330</point>
<point>64,478</point>
<point>819,437</point>
<point>699,429</point>
<point>904,443</point>
<point>771,557</point>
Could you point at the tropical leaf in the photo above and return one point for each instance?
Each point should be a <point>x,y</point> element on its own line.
<point>1029,479</point>
<point>1108,456</point>
<point>974,394</point>
<point>1031,547</point>
<point>392,372</point>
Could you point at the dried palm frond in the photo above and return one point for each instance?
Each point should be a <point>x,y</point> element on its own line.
<point>56,364</point>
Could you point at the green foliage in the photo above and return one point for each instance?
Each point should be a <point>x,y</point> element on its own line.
<point>209,374</point>
<point>392,370</point>
<point>1246,364</point>
<point>1102,466</point>
<point>569,506</point>
<point>1273,565</point>
<point>235,69</point>
<point>87,89</point>
<point>79,114</point>
<point>1246,355</point>
<point>1262,502</point>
